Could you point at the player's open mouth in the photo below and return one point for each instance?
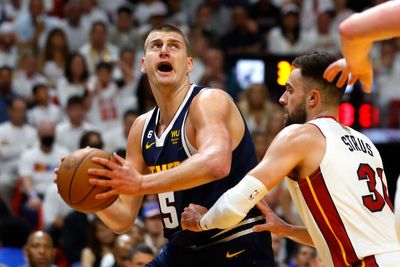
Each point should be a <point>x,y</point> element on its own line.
<point>164,67</point>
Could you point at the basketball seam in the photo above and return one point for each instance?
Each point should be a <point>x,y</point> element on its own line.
<point>91,190</point>
<point>76,169</point>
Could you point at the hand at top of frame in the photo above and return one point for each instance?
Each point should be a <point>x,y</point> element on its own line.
<point>363,73</point>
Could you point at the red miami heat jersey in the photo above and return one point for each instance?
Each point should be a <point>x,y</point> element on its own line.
<point>345,204</point>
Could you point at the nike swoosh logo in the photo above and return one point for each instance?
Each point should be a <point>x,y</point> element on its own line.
<point>229,255</point>
<point>149,145</point>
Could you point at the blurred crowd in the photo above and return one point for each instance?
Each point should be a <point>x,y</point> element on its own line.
<point>70,78</point>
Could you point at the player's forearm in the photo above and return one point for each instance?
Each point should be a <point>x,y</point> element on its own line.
<point>119,217</point>
<point>197,170</point>
<point>374,24</point>
<point>297,233</point>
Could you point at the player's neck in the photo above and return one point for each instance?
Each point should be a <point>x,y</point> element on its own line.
<point>169,101</point>
<point>326,113</point>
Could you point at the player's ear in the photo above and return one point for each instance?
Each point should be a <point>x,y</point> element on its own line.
<point>190,64</point>
<point>142,66</point>
<point>313,98</point>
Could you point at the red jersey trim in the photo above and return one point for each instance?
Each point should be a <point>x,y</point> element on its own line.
<point>325,214</point>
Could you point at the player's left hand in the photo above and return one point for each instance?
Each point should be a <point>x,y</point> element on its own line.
<point>123,177</point>
<point>191,216</point>
<point>339,66</point>
<point>273,223</point>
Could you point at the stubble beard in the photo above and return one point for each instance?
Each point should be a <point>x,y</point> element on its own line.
<point>297,116</point>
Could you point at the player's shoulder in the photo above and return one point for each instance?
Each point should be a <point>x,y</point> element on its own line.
<point>141,119</point>
<point>212,96</point>
<point>302,135</point>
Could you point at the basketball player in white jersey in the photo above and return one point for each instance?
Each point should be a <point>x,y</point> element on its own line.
<point>334,173</point>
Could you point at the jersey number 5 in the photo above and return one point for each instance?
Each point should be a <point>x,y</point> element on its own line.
<point>168,210</point>
<point>374,201</point>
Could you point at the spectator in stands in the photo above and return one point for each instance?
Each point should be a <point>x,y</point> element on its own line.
<point>92,139</point>
<point>54,212</point>
<point>33,25</point>
<point>277,248</point>
<point>73,244</point>
<point>14,232</point>
<point>322,36</point>
<point>145,9</point>
<point>124,34</point>
<point>287,38</point>
<point>342,12</point>
<point>266,14</point>
<point>387,80</point>
<point>100,244</point>
<point>91,13</point>
<point>127,76</point>
<point>303,256</point>
<point>74,82</point>
<point>39,250</point>
<point>7,93</point>
<point>73,24</point>
<point>153,226</point>
<point>27,76</point>
<point>141,255</point>
<point>16,136</point>
<point>35,168</point>
<point>136,233</point>
<point>214,75</point>
<point>120,256</point>
<point>8,49</point>
<point>201,25</point>
<point>257,108</point>
<point>106,102</point>
<point>53,58</point>
<point>116,139</point>
<point>244,38</point>
<point>221,17</point>
<point>98,49</point>
<point>43,110</point>
<point>260,140</point>
<point>69,131</point>
<point>177,16</point>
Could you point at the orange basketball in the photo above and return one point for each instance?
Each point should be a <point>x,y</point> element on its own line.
<point>73,185</point>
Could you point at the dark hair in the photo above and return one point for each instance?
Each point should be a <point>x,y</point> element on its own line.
<point>312,66</point>
<point>48,48</point>
<point>124,9</point>
<point>38,86</point>
<point>92,241</point>
<point>102,65</point>
<point>68,71</point>
<point>6,68</point>
<point>98,23</point>
<point>130,112</point>
<point>75,100</point>
<point>14,231</point>
<point>84,141</point>
<point>141,248</point>
<point>168,28</point>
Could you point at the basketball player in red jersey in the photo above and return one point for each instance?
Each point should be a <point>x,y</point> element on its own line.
<point>334,174</point>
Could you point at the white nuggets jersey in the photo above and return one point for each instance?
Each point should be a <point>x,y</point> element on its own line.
<point>345,204</point>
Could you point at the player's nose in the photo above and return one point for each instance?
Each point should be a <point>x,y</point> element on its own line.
<point>164,49</point>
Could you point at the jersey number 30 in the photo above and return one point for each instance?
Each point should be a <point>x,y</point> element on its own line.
<point>374,201</point>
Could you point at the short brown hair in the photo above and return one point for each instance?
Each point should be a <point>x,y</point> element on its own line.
<point>312,66</point>
<point>168,28</point>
